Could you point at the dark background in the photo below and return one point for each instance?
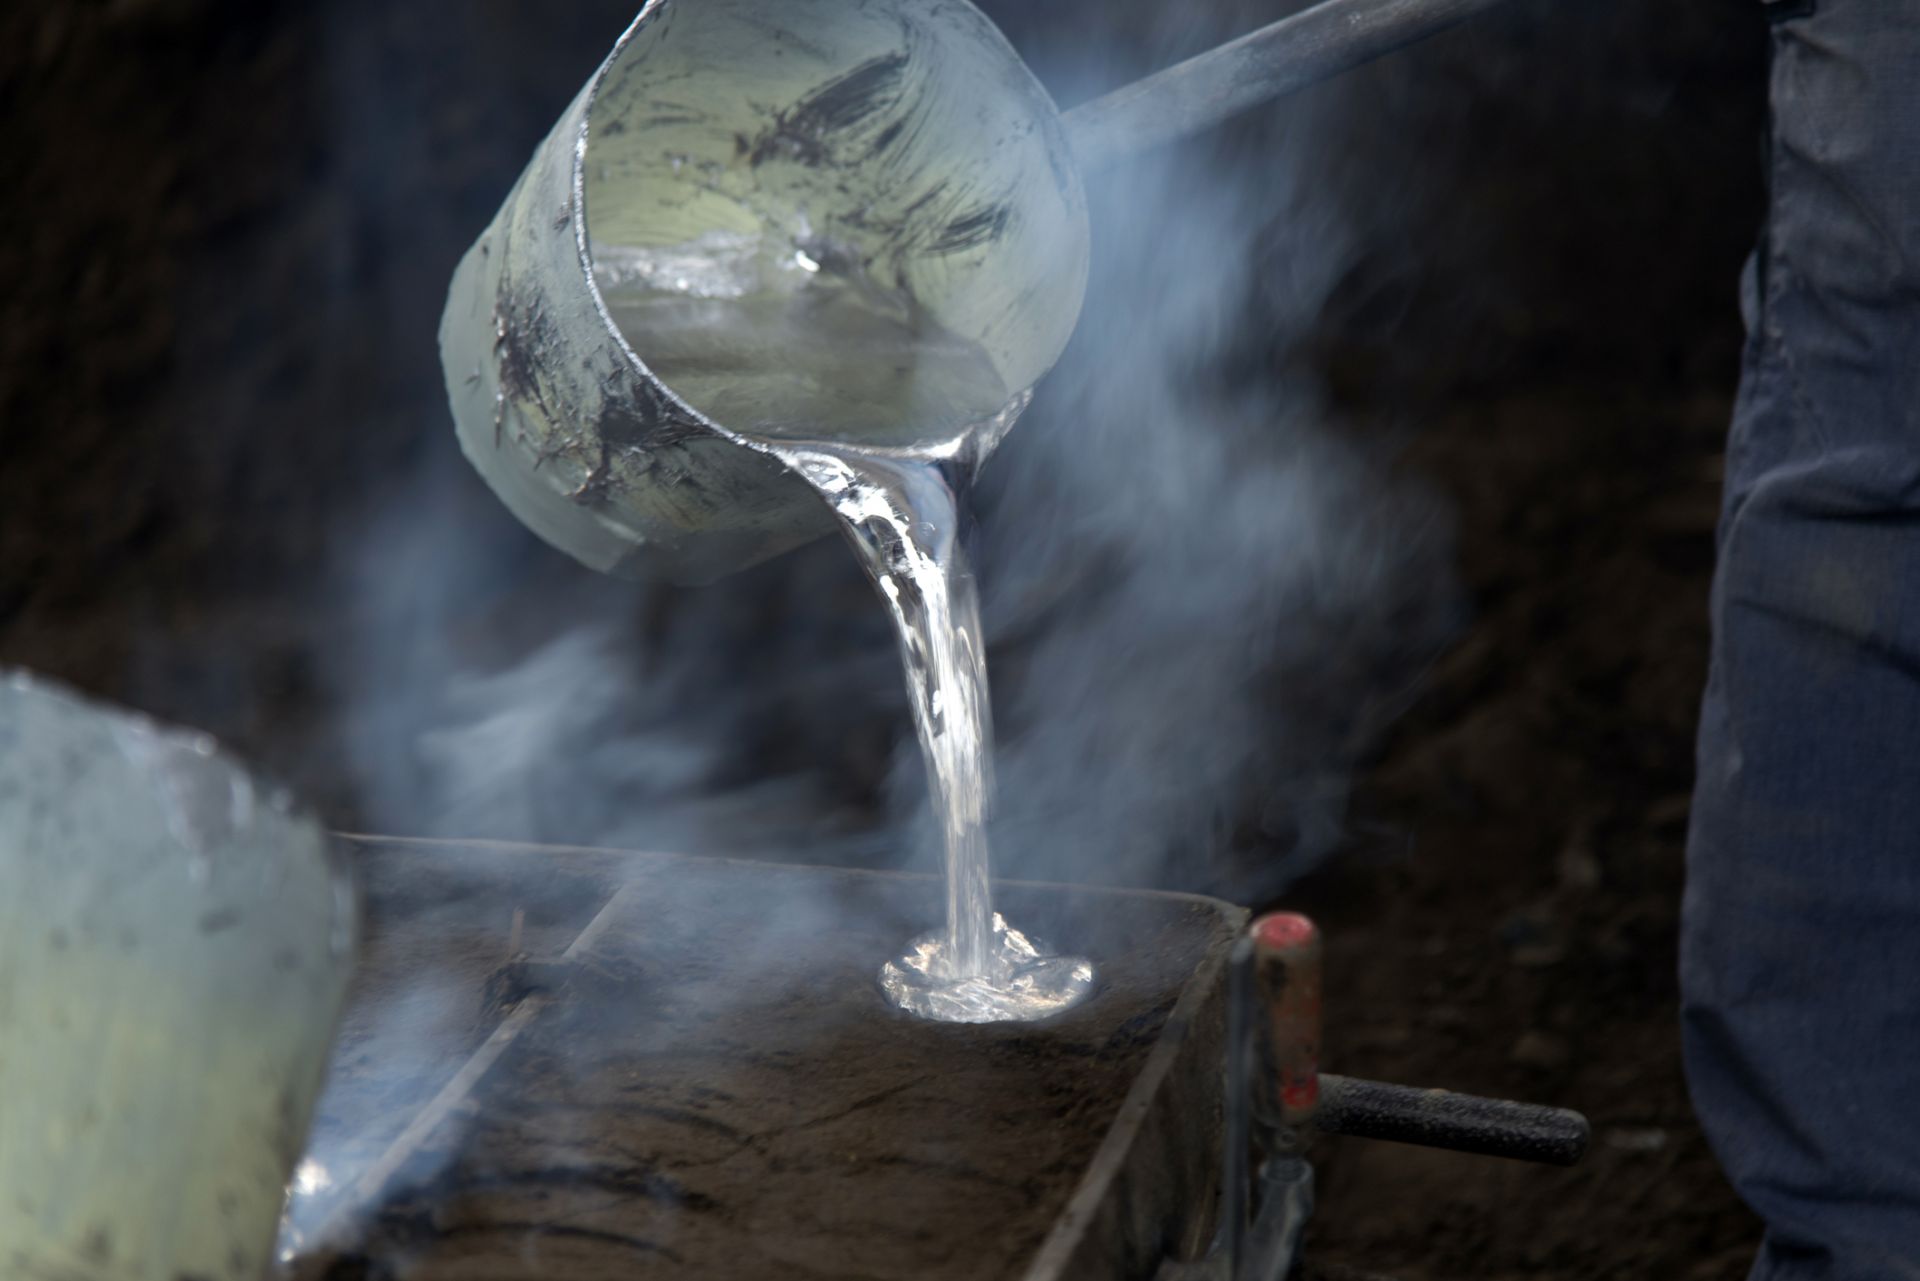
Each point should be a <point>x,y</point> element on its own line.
<point>225,234</point>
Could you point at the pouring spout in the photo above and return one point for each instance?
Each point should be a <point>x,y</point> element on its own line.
<point>1313,45</point>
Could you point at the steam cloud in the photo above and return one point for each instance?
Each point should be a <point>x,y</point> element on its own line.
<point>1201,598</point>
<point>1198,595</point>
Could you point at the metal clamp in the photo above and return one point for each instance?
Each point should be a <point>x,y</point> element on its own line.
<point>1276,1094</point>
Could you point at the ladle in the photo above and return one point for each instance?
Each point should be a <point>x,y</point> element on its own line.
<point>904,140</point>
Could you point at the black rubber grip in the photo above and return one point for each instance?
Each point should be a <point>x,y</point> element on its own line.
<point>1443,1119</point>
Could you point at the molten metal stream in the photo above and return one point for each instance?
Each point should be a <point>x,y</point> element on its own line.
<point>881,411</point>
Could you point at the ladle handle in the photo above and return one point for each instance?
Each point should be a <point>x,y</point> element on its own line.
<point>1312,45</point>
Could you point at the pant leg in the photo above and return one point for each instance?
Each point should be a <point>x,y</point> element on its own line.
<point>1800,949</point>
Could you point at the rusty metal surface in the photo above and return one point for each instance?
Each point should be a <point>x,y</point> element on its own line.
<point>713,1084</point>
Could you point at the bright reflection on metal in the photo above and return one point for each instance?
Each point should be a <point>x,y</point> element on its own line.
<point>310,1179</point>
<point>1019,983</point>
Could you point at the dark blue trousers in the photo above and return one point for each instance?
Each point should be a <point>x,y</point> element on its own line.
<point>1800,950</point>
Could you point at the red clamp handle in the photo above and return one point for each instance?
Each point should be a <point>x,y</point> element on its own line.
<point>1286,968</point>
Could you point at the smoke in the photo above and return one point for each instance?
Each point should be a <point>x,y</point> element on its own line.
<point>1203,596</point>
<point>1200,594</point>
<point>494,697</point>
<point>1215,586</point>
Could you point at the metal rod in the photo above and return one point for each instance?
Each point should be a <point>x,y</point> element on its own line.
<point>1238,1125</point>
<point>1443,1119</point>
<point>1286,1203</point>
<point>370,1187</point>
<point>1312,45</point>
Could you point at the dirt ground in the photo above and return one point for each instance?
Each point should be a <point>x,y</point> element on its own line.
<point>224,265</point>
<point>1509,925</point>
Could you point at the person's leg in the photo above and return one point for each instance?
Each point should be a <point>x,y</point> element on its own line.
<point>1800,949</point>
